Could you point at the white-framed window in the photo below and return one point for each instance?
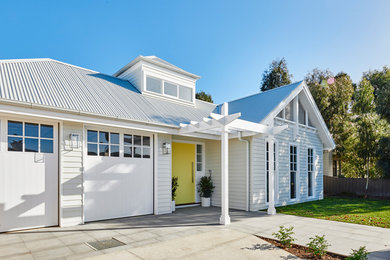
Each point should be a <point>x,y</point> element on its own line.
<point>199,157</point>
<point>102,143</point>
<point>136,146</point>
<point>169,89</point>
<point>293,171</point>
<point>154,84</point>
<point>267,167</point>
<point>310,169</point>
<point>30,137</point>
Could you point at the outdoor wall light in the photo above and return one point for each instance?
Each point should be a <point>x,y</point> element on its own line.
<point>74,139</point>
<point>166,148</point>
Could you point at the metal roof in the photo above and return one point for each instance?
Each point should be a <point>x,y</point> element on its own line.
<point>257,107</point>
<point>59,85</point>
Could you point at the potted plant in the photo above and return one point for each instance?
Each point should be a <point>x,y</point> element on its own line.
<point>175,185</point>
<point>206,188</point>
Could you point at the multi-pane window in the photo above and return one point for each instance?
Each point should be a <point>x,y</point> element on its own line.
<point>310,169</point>
<point>169,89</point>
<point>293,171</point>
<point>199,158</point>
<point>30,137</point>
<point>267,162</point>
<point>102,143</point>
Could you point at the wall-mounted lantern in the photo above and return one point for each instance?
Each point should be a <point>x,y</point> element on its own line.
<point>74,139</point>
<point>166,148</point>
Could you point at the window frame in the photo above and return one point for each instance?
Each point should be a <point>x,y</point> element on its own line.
<point>276,167</point>
<point>196,157</point>
<point>296,184</point>
<point>312,172</point>
<point>23,136</point>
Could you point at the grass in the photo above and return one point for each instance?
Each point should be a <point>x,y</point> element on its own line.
<point>352,210</point>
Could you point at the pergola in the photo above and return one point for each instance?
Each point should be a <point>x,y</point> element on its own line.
<point>224,124</point>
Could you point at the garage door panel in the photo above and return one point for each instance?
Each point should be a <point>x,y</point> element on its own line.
<point>118,186</point>
<point>28,187</point>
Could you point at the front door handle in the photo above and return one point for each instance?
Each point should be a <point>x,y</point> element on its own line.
<point>192,168</point>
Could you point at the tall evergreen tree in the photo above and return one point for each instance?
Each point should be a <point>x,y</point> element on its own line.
<point>276,75</point>
<point>204,96</point>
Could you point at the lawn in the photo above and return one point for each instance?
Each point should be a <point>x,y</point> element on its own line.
<point>351,210</point>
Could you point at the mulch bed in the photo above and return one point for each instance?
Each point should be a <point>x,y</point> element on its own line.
<point>301,251</point>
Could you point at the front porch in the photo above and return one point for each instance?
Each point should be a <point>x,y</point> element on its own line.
<point>143,234</point>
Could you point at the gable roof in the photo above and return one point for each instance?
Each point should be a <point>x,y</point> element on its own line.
<point>157,61</point>
<point>56,84</point>
<point>257,107</point>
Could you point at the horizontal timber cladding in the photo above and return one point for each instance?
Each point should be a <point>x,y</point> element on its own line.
<point>306,138</point>
<point>71,199</point>
<point>164,176</point>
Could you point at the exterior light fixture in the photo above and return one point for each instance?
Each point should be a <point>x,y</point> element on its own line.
<point>74,139</point>
<point>166,148</point>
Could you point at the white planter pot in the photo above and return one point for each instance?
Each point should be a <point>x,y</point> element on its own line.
<point>173,206</point>
<point>205,202</point>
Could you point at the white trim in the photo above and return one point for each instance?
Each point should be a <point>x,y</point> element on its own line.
<point>313,177</point>
<point>297,173</point>
<point>156,154</point>
<point>276,170</point>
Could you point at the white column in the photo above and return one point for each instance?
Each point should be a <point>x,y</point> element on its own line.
<point>225,218</point>
<point>271,203</point>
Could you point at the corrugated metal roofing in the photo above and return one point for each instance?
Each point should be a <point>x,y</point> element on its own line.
<point>257,107</point>
<point>60,85</point>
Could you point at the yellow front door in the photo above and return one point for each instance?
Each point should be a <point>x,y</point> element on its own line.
<point>183,167</point>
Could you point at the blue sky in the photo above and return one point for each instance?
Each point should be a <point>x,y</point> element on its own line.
<point>228,43</point>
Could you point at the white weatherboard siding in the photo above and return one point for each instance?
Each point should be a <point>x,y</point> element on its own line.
<point>71,199</point>
<point>307,138</point>
<point>237,172</point>
<point>164,176</point>
<point>134,75</point>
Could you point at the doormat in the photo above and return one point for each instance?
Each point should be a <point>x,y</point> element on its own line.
<point>105,244</point>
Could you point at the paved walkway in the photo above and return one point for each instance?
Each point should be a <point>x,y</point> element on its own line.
<point>174,235</point>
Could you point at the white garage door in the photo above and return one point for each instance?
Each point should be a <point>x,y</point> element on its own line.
<point>28,174</point>
<point>118,179</point>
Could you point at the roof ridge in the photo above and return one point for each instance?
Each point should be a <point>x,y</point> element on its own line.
<point>25,60</point>
<point>300,82</point>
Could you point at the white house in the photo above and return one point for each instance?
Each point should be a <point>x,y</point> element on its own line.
<point>77,145</point>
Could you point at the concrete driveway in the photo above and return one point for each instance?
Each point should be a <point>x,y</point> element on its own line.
<point>190,233</point>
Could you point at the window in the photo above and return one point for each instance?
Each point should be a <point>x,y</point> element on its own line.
<point>136,146</point>
<point>154,85</point>
<point>289,111</point>
<point>267,159</point>
<point>199,158</point>
<point>310,168</point>
<point>280,115</point>
<point>102,143</point>
<point>170,89</point>
<point>30,137</point>
<point>301,115</point>
<point>127,145</point>
<point>293,171</point>
<point>185,93</point>
<point>334,168</point>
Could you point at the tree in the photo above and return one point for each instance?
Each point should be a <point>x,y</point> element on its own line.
<point>383,154</point>
<point>276,75</point>
<point>380,80</point>
<point>370,128</point>
<point>204,96</point>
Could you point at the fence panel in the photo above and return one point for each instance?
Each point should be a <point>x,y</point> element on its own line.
<point>376,188</point>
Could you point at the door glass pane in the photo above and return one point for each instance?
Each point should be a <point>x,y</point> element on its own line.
<point>137,139</point>
<point>92,136</point>
<point>198,148</point>
<point>199,167</point>
<point>114,138</point>
<point>92,149</point>
<point>128,139</point>
<point>15,128</point>
<point>46,146</point>
<point>146,140</point>
<point>31,145</point>
<point>31,130</point>
<point>104,150</point>
<point>114,150</point>
<point>46,131</point>
<point>15,144</point>
<point>104,137</point>
<point>127,151</point>
<point>146,153</point>
<point>137,152</point>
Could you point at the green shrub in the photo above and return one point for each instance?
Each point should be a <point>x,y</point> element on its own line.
<point>318,245</point>
<point>285,236</point>
<point>175,185</point>
<point>359,254</point>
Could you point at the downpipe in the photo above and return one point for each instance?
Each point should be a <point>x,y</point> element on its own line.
<point>248,173</point>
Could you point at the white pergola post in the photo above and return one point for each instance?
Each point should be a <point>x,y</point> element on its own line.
<point>271,175</point>
<point>225,218</point>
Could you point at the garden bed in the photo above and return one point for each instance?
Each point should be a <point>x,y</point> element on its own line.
<point>302,251</point>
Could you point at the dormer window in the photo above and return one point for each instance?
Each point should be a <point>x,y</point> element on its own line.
<point>170,89</point>
<point>154,85</point>
<point>185,93</point>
